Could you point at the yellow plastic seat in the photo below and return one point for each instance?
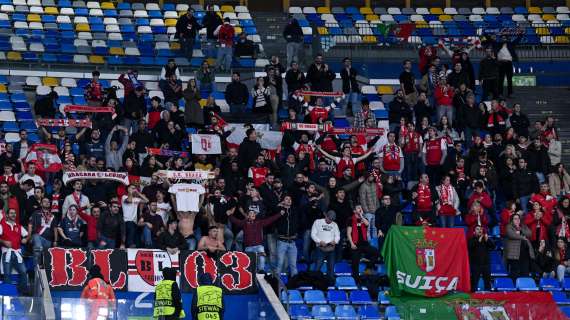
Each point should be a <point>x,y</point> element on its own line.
<point>369,39</point>
<point>323,10</point>
<point>372,17</point>
<point>323,31</point>
<point>211,61</point>
<point>96,60</point>
<point>385,89</point>
<point>366,10</point>
<point>542,31</point>
<point>3,88</point>
<point>50,82</point>
<point>51,10</point>
<point>445,17</point>
<point>534,10</point>
<point>227,8</point>
<point>422,24</point>
<point>175,46</point>
<point>107,5</point>
<point>238,30</point>
<point>32,17</point>
<point>170,22</point>
<point>14,56</point>
<point>82,27</point>
<point>561,40</point>
<point>548,17</point>
<point>116,51</point>
<point>567,30</point>
<point>436,10</point>
<point>203,102</point>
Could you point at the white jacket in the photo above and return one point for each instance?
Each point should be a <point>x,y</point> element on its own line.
<point>325,232</point>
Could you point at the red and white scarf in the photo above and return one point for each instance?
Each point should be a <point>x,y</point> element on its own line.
<point>446,195</point>
<point>47,219</point>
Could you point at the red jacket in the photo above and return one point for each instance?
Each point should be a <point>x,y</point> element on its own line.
<point>532,223</point>
<point>483,198</point>
<point>471,221</point>
<point>226,35</point>
<point>92,233</point>
<point>547,205</point>
<point>505,219</point>
<point>444,96</point>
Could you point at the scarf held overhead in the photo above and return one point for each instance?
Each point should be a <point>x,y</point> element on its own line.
<point>88,109</point>
<point>84,123</point>
<point>121,177</point>
<point>187,175</point>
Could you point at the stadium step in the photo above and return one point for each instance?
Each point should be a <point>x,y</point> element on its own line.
<point>270,26</point>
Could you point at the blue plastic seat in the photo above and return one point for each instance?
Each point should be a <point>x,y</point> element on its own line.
<point>342,269</point>
<point>315,297</point>
<point>110,13</point>
<point>369,312</point>
<point>322,312</point>
<point>383,298</point>
<point>498,270</point>
<point>8,289</point>
<point>526,284</point>
<point>337,297</point>
<point>549,284</point>
<point>503,284</point>
<point>360,297</point>
<point>345,312</point>
<point>49,58</point>
<point>346,283</point>
<point>392,313</point>
<point>299,311</point>
<point>566,311</point>
<point>6,106</point>
<point>560,297</point>
<point>294,297</point>
<point>11,126</point>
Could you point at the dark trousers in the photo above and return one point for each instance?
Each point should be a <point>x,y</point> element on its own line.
<point>411,162</point>
<point>478,271</point>
<point>505,71</point>
<point>424,215</point>
<point>518,268</point>
<point>490,86</point>
<point>363,249</point>
<point>434,174</point>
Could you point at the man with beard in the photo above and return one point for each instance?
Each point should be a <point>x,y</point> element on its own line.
<point>43,229</point>
<point>341,206</point>
<point>111,227</point>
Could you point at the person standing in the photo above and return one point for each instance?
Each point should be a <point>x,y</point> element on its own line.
<point>320,76</point>
<point>225,34</point>
<point>350,87</point>
<point>525,183</point>
<point>208,302</point>
<point>479,247</point>
<point>518,249</point>
<point>293,34</point>
<point>187,28</point>
<point>408,83</point>
<point>287,231</point>
<point>506,55</point>
<point>211,22</point>
<point>167,70</point>
<point>98,293</point>
<point>193,114</point>
<point>12,237</point>
<point>237,94</point>
<point>357,235</point>
<point>168,299</point>
<point>489,75</point>
<point>326,235</point>
<point>434,152</point>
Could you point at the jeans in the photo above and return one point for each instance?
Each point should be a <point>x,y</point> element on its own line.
<point>272,247</point>
<point>131,124</point>
<point>228,237</point>
<point>468,134</point>
<point>237,108</point>
<point>20,268</point>
<point>109,243</point>
<point>239,241</point>
<point>293,49</point>
<point>320,257</point>
<point>187,47</point>
<point>224,60</point>
<point>561,271</point>
<point>339,247</point>
<point>131,234</point>
<point>372,232</point>
<point>411,161</point>
<point>210,48</point>
<point>352,98</point>
<point>540,177</point>
<point>445,111</point>
<point>307,241</point>
<point>524,203</point>
<point>447,221</point>
<point>260,253</point>
<point>147,237</point>
<point>287,249</point>
<point>39,243</point>
<point>207,87</point>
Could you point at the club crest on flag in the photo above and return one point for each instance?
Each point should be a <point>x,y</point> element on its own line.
<point>206,143</point>
<point>425,254</point>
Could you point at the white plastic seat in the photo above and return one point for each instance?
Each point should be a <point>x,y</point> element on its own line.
<point>552,23</point>
<point>21,25</point>
<point>4,16</point>
<point>152,6</point>
<point>34,3</point>
<point>14,39</point>
<point>132,51</point>
<point>33,81</point>
<point>475,17</point>
<point>182,7</point>
<point>96,12</point>
<point>161,45</point>
<point>478,10</point>
<point>327,17</point>
<point>144,29</point>
<point>293,10</point>
<point>67,11</point>
<point>68,82</point>
<point>8,116</point>
<point>10,137</point>
<point>98,43</point>
<point>172,30</point>
<point>61,91</point>
<point>546,39</point>
<point>230,15</point>
<point>386,18</point>
<point>19,2</point>
<point>156,23</point>
<point>518,17</point>
<point>140,14</point>
<point>450,11</point>
<point>493,10</point>
<point>534,17</point>
<point>241,9</point>
<point>414,39</point>
<point>255,38</point>
<point>309,10</point>
<point>112,28</point>
<point>156,93</point>
<point>562,17</point>
<point>109,20</point>
<point>79,19</point>
<point>170,15</point>
<point>38,10</point>
<point>416,17</point>
<point>244,16</point>
<point>93,5</point>
<point>7,8</point>
<point>85,35</point>
<point>80,58</point>
<point>562,9</point>
<point>115,36</point>
<point>36,26</point>
<point>422,11</point>
<point>394,10</point>
<point>307,30</point>
<point>37,47</point>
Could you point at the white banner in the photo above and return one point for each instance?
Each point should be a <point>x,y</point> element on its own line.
<point>270,140</point>
<point>206,144</point>
<point>186,175</point>
<point>145,268</point>
<point>121,177</point>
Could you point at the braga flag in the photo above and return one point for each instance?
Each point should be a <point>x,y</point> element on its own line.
<point>206,144</point>
<point>426,261</point>
<point>45,157</point>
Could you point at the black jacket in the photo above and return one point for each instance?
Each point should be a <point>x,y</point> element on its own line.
<point>397,110</point>
<point>520,123</point>
<point>293,32</point>
<point>236,93</point>
<point>525,183</point>
<point>343,212</point>
<point>143,139</point>
<point>538,159</point>
<point>386,217</point>
<point>244,48</point>
<point>111,225</point>
<point>489,69</point>
<point>187,27</point>
<point>135,107</point>
<point>288,225</point>
<point>470,117</point>
<point>295,80</point>
<point>455,79</point>
<point>511,45</point>
<point>211,21</point>
<point>320,79</point>
<point>421,109</point>
<point>175,240</point>
<point>349,82</point>
<point>45,107</point>
<point>247,153</point>
<point>479,251</point>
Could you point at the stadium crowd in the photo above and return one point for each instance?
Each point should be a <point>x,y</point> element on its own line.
<point>447,157</point>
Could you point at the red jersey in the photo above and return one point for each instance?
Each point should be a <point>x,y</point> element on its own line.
<point>258,175</point>
<point>342,164</point>
<point>423,201</point>
<point>412,142</point>
<point>12,234</point>
<point>391,155</point>
<point>318,113</point>
<point>308,150</point>
<point>434,151</point>
<point>9,179</point>
<point>359,150</point>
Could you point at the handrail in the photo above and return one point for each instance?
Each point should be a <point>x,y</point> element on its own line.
<point>48,307</point>
<point>273,299</point>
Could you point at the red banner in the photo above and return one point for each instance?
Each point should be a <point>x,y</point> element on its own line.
<point>64,123</point>
<point>88,109</point>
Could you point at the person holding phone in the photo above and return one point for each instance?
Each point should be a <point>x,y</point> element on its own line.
<point>479,247</point>
<point>357,235</point>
